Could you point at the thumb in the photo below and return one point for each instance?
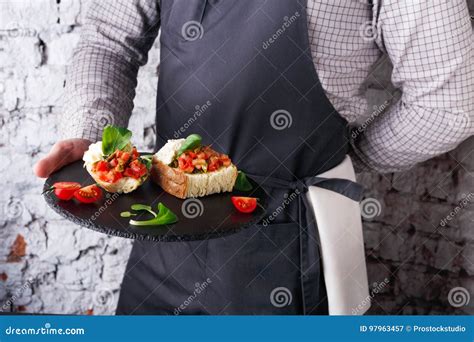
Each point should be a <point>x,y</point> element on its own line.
<point>63,152</point>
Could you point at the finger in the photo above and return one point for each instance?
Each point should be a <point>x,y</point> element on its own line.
<point>61,154</point>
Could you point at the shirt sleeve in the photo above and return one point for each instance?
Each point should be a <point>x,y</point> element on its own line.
<point>100,86</point>
<point>431,46</point>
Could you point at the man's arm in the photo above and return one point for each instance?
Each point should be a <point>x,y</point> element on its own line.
<point>431,46</point>
<point>100,86</point>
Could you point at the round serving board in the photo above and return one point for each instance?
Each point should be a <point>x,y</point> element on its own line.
<point>199,219</point>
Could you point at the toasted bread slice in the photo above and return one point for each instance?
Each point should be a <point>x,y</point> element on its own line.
<point>186,185</point>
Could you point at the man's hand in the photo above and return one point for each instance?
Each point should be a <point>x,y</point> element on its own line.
<point>63,152</point>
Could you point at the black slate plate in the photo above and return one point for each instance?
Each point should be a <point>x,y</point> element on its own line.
<point>199,219</point>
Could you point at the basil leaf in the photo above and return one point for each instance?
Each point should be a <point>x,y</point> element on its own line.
<point>165,216</point>
<point>242,183</point>
<point>190,143</point>
<point>115,138</point>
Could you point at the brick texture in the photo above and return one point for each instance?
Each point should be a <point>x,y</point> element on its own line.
<point>419,246</point>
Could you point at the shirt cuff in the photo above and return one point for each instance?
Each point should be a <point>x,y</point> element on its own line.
<point>88,124</point>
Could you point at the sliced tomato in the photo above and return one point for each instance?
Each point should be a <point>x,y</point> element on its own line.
<point>65,190</point>
<point>244,204</point>
<point>88,194</point>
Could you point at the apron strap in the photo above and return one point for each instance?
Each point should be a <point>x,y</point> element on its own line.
<point>342,186</point>
<point>310,259</point>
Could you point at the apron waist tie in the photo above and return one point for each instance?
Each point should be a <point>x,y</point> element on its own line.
<point>310,271</point>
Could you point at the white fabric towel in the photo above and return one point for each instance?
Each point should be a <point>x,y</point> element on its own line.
<point>342,245</point>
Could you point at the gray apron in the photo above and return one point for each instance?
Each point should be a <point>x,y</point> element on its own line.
<point>247,66</point>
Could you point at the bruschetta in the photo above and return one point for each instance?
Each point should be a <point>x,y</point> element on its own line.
<point>185,169</point>
<point>114,162</point>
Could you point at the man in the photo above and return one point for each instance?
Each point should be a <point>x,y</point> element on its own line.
<point>283,78</point>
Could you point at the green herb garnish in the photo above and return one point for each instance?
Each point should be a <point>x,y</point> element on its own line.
<point>164,216</point>
<point>115,138</point>
<point>242,183</point>
<point>147,160</point>
<point>190,143</point>
<point>143,207</point>
<point>127,214</point>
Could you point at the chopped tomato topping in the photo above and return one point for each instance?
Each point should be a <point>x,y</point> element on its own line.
<point>135,154</point>
<point>102,166</point>
<point>125,157</point>
<point>130,173</point>
<point>113,162</point>
<point>203,158</point>
<point>120,164</point>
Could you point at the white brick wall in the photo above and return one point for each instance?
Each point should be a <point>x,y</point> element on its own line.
<point>66,269</point>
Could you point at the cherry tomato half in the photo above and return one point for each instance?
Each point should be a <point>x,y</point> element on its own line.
<point>88,194</point>
<point>65,190</point>
<point>244,204</point>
